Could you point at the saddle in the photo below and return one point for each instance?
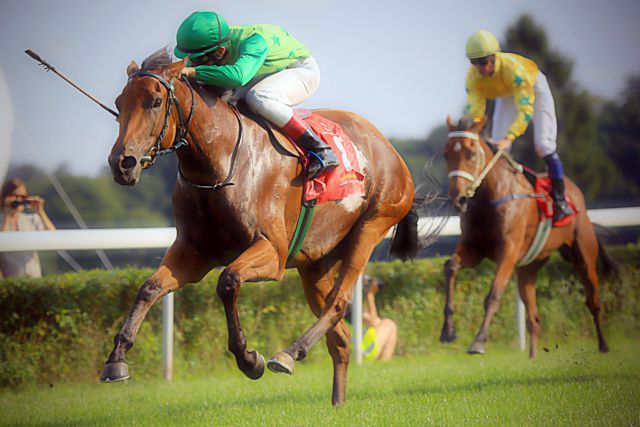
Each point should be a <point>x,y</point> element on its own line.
<point>347,179</point>
<point>541,184</point>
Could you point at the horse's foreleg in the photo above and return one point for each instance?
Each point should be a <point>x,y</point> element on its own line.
<point>506,265</point>
<point>179,266</point>
<point>259,262</point>
<point>464,256</point>
<point>365,237</point>
<point>527,286</point>
<point>451,267</point>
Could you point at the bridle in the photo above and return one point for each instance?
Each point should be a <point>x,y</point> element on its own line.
<point>476,180</point>
<point>183,127</point>
<point>182,131</point>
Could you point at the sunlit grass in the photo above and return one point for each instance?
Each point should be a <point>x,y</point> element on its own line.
<point>567,385</point>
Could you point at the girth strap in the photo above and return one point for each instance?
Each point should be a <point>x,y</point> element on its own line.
<point>516,196</point>
<point>304,220</point>
<point>540,239</point>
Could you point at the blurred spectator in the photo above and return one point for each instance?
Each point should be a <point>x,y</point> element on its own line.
<point>21,212</point>
<point>381,335</point>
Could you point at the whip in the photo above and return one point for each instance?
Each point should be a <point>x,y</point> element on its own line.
<point>49,67</point>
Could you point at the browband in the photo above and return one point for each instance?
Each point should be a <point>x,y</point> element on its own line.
<point>463,134</point>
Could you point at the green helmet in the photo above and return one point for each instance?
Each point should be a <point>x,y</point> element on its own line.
<point>482,44</point>
<point>201,33</point>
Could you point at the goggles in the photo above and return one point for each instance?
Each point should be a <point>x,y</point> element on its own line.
<point>481,61</point>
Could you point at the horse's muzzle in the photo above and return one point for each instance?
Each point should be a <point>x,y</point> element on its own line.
<point>125,169</point>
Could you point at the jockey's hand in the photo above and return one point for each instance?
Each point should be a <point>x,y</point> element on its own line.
<point>188,72</point>
<point>504,144</point>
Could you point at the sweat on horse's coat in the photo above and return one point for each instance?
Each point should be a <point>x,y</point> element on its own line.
<point>248,226</point>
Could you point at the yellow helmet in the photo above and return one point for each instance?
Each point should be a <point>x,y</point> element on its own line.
<point>482,44</point>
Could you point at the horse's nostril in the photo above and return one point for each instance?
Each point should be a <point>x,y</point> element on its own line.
<point>128,162</point>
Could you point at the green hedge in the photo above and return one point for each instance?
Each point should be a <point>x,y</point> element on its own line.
<point>60,328</point>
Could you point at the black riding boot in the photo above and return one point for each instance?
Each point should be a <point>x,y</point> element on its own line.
<point>562,208</point>
<point>321,156</point>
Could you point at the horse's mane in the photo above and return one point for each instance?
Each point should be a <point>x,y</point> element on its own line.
<point>161,58</point>
<point>465,123</point>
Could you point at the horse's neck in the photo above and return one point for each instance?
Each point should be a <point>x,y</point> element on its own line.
<point>212,135</point>
<point>500,180</point>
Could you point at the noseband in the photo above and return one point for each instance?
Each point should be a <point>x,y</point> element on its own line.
<point>183,127</point>
<point>464,174</point>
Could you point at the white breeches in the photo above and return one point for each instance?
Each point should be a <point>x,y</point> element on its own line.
<point>545,124</point>
<point>273,96</point>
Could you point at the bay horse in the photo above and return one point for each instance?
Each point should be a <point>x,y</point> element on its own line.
<point>499,222</point>
<point>246,223</point>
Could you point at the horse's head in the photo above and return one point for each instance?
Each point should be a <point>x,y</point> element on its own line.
<point>465,159</point>
<point>148,122</point>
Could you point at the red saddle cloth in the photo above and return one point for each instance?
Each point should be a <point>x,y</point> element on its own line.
<point>347,179</point>
<point>545,204</point>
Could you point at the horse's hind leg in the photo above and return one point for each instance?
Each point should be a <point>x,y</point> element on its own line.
<point>585,255</point>
<point>318,279</point>
<point>363,239</point>
<point>259,262</point>
<point>527,286</point>
<point>180,265</point>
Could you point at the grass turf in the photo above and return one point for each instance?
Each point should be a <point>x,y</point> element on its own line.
<point>571,384</point>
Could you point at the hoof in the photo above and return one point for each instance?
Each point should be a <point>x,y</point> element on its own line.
<point>448,336</point>
<point>258,369</point>
<point>282,362</point>
<point>476,348</point>
<point>118,371</point>
<point>604,348</point>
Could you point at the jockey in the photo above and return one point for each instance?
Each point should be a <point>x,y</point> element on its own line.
<point>263,64</point>
<point>521,95</point>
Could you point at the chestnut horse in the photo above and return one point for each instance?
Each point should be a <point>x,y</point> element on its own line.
<point>236,203</point>
<point>499,222</point>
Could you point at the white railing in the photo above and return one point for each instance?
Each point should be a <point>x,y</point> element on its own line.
<point>144,238</point>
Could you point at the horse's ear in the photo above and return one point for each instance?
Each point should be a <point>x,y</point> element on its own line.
<point>132,68</point>
<point>479,125</point>
<point>173,70</point>
<point>449,122</point>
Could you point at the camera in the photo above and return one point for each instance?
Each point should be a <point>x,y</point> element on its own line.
<point>17,203</point>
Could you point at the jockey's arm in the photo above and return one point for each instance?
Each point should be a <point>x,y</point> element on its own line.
<point>476,101</point>
<point>252,54</point>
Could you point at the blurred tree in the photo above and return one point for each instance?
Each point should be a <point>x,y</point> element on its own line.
<point>424,156</point>
<point>619,135</point>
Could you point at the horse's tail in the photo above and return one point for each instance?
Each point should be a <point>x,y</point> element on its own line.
<point>404,244</point>
<point>428,204</point>
<point>608,265</point>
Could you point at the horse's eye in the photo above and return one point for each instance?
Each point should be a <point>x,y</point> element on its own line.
<point>470,154</point>
<point>157,102</point>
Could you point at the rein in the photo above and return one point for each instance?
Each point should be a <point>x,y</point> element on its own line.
<point>234,160</point>
<point>183,127</point>
<point>486,168</point>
